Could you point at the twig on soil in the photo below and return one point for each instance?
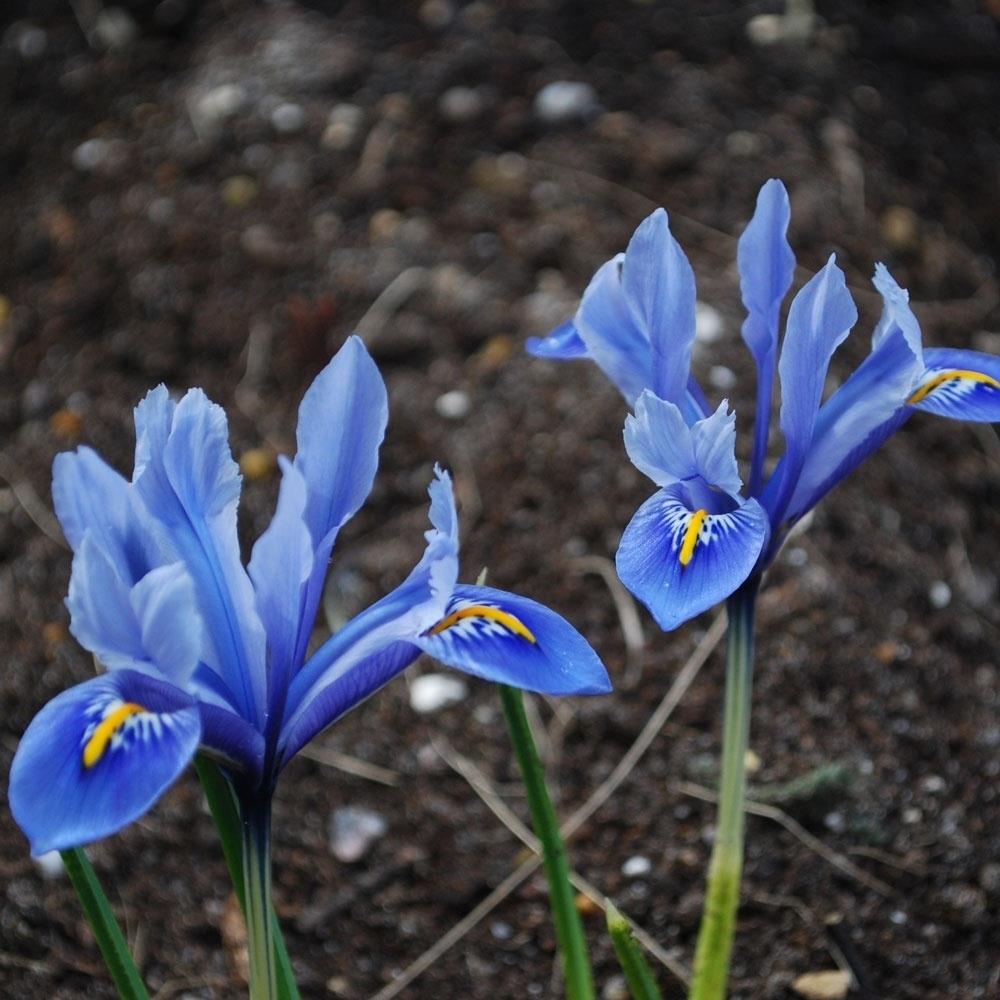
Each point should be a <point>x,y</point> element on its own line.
<point>810,919</point>
<point>628,616</point>
<point>392,298</point>
<point>352,765</point>
<point>604,791</point>
<point>890,860</point>
<point>651,730</point>
<point>833,858</point>
<point>31,503</point>
<point>485,790</point>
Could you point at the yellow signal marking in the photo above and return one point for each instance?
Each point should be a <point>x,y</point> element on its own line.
<point>959,375</point>
<point>508,621</point>
<point>691,533</point>
<point>98,744</point>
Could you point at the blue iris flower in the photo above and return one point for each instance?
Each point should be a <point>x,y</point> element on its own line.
<point>203,653</point>
<point>703,535</point>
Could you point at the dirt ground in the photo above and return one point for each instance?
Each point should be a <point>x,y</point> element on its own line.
<point>217,194</point>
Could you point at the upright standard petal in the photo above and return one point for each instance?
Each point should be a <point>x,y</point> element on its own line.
<point>564,343</point>
<point>513,640</point>
<point>820,317</point>
<point>342,422</point>
<point>280,567</point>
<point>659,289</point>
<point>613,339</point>
<point>868,408</point>
<point>766,265</point>
<point>189,483</point>
<point>854,422</point>
<point>680,561</point>
<point>963,385</point>
<point>98,756</point>
<point>410,609</point>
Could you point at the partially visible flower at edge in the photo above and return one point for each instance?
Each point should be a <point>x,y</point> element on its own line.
<point>702,536</point>
<point>202,653</point>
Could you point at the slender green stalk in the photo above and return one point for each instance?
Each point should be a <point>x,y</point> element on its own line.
<point>109,937</point>
<point>638,975</point>
<point>718,922</point>
<point>222,801</point>
<point>569,927</point>
<point>256,820</point>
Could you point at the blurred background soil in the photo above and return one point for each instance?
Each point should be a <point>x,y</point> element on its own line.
<point>217,194</point>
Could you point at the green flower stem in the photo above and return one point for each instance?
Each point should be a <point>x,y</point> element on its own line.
<point>569,927</point>
<point>256,821</point>
<point>718,922</point>
<point>638,975</point>
<point>109,937</point>
<point>222,801</point>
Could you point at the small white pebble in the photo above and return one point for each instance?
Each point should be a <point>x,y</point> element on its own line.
<point>637,866</point>
<point>835,822</point>
<point>221,102</point>
<point>939,594</point>
<point>501,930</point>
<point>353,830</point>
<point>431,692</point>
<point>453,405</point>
<point>898,917</point>
<point>50,864</point>
<point>115,29</point>
<point>933,784</point>
<point>288,118</point>
<point>912,816</point>
<point>565,101</point>
<point>460,105</point>
<point>91,154</point>
<point>708,325</point>
<point>722,378</point>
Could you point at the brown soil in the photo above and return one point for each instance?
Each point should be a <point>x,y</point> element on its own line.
<point>139,259</point>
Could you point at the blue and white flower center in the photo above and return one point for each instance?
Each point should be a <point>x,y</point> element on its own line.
<point>469,619</point>
<point>952,384</point>
<point>116,724</point>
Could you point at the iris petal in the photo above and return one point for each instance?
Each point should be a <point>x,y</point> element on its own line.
<point>820,317</point>
<point>613,339</point>
<point>188,481</point>
<point>344,692</point>
<point>856,420</point>
<point>90,497</point>
<point>766,264</point>
<point>662,445</point>
<point>962,385</point>
<point>660,292</point>
<point>341,424</point>
<point>414,606</point>
<point>98,756</point>
<point>280,566</point>
<point>564,343</point>
<point>513,640</point>
<point>680,562</point>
